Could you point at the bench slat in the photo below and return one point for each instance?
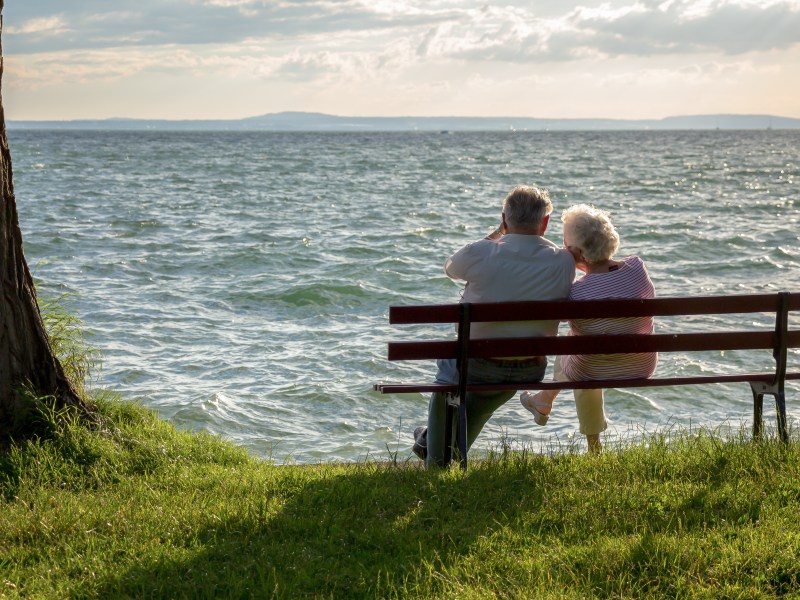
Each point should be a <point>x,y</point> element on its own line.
<point>423,313</point>
<point>591,344</point>
<point>586,309</point>
<point>407,388</point>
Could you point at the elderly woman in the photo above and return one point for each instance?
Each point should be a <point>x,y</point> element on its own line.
<point>592,239</point>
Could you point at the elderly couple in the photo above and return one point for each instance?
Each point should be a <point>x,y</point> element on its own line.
<point>516,262</point>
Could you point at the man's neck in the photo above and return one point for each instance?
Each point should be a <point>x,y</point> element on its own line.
<point>527,231</point>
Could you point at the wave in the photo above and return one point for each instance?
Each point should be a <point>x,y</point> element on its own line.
<point>321,294</point>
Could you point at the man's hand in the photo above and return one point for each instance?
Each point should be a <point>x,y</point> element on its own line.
<point>497,233</point>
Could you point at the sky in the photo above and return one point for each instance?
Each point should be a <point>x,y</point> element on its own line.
<point>229,59</point>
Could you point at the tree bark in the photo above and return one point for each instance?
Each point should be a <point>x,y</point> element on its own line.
<point>26,355</point>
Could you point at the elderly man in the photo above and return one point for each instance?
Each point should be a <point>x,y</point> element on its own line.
<point>513,263</point>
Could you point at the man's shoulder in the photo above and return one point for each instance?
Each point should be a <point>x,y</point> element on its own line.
<point>473,248</point>
<point>561,266</point>
<point>557,253</point>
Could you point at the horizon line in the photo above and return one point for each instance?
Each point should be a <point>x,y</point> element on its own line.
<point>465,117</point>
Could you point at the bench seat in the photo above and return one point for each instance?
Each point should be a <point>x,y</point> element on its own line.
<point>408,388</point>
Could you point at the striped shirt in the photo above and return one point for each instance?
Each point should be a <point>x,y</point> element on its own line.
<point>632,281</point>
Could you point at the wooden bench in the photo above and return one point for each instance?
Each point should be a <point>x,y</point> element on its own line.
<point>777,337</point>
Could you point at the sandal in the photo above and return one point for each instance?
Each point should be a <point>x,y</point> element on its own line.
<point>535,405</point>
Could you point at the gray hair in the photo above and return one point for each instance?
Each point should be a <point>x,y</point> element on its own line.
<point>594,233</point>
<point>527,206</point>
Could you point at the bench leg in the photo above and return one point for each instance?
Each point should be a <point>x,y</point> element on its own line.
<point>448,429</point>
<point>780,408</point>
<point>462,434</point>
<point>758,412</point>
<point>759,390</point>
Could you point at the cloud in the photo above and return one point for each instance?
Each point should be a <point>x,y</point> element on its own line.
<point>339,41</point>
<point>447,29</point>
<point>48,69</point>
<point>52,25</point>
<point>680,27</point>
<point>639,29</point>
<point>95,24</point>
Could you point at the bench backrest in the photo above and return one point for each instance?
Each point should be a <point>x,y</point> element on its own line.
<point>463,315</point>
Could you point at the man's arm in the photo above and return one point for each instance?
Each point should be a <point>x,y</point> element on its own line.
<point>458,265</point>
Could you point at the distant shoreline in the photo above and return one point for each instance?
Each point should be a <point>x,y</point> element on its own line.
<point>318,122</point>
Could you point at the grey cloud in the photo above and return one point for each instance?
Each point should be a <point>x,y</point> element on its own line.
<point>480,35</point>
<point>730,29</point>
<point>93,23</point>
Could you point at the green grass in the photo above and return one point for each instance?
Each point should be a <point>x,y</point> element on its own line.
<point>141,510</point>
<point>68,340</point>
<point>133,508</point>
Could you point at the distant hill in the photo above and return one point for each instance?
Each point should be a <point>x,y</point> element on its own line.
<point>305,121</point>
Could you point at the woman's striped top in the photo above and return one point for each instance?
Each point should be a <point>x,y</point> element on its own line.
<point>630,280</point>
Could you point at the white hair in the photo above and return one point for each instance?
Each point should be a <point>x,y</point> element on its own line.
<point>593,232</point>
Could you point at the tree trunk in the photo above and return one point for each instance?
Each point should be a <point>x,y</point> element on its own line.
<point>26,355</point>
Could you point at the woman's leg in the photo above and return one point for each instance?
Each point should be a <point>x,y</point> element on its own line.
<point>591,416</point>
<point>541,403</point>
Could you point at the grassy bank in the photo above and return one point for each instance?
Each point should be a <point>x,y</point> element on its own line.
<point>141,510</point>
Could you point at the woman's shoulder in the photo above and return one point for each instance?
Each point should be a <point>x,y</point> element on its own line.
<point>631,280</point>
<point>632,261</point>
<point>639,277</point>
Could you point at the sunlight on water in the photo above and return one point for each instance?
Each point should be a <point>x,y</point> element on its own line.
<point>240,282</point>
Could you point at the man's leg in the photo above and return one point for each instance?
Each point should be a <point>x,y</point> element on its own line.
<point>437,415</point>
<point>437,424</point>
<point>480,408</point>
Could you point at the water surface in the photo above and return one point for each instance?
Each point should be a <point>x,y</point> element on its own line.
<point>239,282</point>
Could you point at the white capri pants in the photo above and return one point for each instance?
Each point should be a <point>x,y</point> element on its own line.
<point>588,404</point>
